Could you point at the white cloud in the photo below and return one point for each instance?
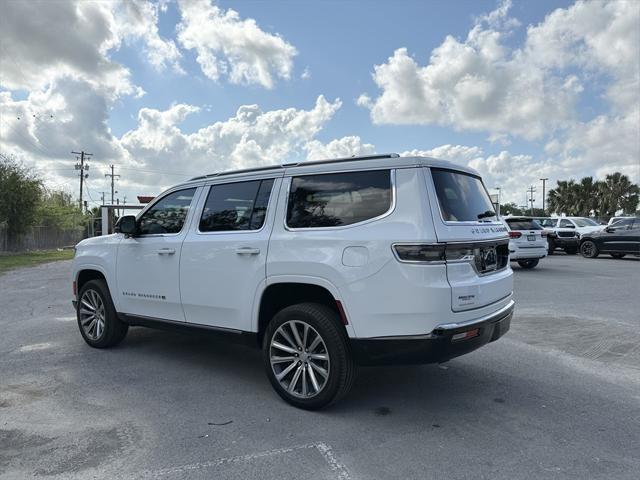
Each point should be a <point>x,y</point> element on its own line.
<point>250,138</point>
<point>138,19</point>
<point>41,41</point>
<point>227,45</point>
<point>480,83</point>
<point>338,148</point>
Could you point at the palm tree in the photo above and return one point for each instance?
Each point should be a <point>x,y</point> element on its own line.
<point>563,198</point>
<point>617,192</point>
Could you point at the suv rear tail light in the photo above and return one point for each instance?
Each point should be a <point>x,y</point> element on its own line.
<point>420,253</point>
<point>432,253</point>
<point>543,233</point>
<point>515,234</point>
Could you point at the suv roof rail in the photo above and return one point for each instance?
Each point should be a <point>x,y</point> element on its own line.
<point>295,164</point>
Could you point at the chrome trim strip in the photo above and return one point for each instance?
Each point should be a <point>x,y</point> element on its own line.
<point>503,312</point>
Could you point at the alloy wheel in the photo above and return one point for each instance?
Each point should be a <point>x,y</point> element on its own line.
<point>299,359</point>
<point>92,314</point>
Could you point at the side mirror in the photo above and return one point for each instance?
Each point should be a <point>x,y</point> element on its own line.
<point>609,229</point>
<point>126,225</point>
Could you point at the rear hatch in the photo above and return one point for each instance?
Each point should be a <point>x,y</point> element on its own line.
<point>476,241</point>
<point>526,233</point>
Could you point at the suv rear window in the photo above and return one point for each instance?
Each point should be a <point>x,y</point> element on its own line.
<point>336,199</point>
<point>523,224</point>
<point>462,197</point>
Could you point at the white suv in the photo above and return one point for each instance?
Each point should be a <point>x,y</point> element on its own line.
<point>324,265</point>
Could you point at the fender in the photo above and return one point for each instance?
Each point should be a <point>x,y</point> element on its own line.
<point>311,280</point>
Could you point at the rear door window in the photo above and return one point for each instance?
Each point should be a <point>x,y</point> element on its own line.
<point>523,224</point>
<point>236,206</point>
<point>462,197</point>
<point>338,199</point>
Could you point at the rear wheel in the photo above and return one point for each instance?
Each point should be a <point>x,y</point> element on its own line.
<point>571,250</point>
<point>307,357</point>
<point>97,318</point>
<point>617,255</point>
<point>588,249</point>
<point>528,264</point>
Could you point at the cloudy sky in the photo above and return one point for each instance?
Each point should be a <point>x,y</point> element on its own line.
<point>172,89</point>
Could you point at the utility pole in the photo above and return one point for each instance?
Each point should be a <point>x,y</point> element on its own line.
<point>113,177</point>
<point>544,181</point>
<point>102,194</point>
<point>82,167</point>
<point>531,191</point>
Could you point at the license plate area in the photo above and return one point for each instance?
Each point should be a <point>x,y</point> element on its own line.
<point>486,259</point>
<point>531,238</point>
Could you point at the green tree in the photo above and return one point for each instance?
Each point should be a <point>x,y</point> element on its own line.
<point>510,209</point>
<point>563,198</point>
<point>617,192</point>
<point>20,193</point>
<point>58,209</point>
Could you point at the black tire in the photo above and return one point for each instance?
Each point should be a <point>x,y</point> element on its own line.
<point>341,368</point>
<point>617,255</point>
<point>551,246</point>
<point>588,249</point>
<point>529,264</point>
<point>571,250</point>
<point>114,330</point>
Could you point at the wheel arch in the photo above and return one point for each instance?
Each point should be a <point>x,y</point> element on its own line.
<point>283,292</point>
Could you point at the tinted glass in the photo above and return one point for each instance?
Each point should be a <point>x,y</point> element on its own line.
<point>566,223</point>
<point>335,199</point>
<point>547,222</point>
<point>236,206</point>
<point>622,223</point>
<point>462,197</point>
<point>523,224</point>
<point>586,222</point>
<point>168,214</point>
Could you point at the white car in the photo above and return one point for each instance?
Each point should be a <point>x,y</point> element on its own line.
<point>581,225</point>
<point>527,241</point>
<point>323,265</point>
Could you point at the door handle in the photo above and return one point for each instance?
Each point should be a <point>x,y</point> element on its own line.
<point>166,251</point>
<point>247,251</point>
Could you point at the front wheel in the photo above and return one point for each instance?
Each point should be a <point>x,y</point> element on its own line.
<point>588,249</point>
<point>528,264</point>
<point>617,255</point>
<point>307,357</point>
<point>97,318</point>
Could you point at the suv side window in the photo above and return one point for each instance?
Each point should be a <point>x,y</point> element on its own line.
<point>337,199</point>
<point>236,206</point>
<point>168,214</point>
<point>566,223</point>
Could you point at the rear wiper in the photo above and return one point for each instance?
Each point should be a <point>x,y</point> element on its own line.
<point>487,213</point>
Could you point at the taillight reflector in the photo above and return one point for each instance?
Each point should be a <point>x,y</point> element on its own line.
<point>465,335</point>
<point>515,234</point>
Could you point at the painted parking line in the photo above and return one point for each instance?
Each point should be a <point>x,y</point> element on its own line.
<point>340,470</point>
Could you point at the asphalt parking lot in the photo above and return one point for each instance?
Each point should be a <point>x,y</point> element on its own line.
<point>557,398</point>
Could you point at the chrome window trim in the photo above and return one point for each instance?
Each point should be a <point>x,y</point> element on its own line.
<point>392,207</point>
<point>226,232</point>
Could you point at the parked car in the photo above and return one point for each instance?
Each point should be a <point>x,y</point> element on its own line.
<point>615,219</point>
<point>618,239</point>
<point>324,265</point>
<point>527,241</point>
<point>565,238</point>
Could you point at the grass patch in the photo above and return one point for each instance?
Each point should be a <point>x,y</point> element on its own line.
<point>29,259</point>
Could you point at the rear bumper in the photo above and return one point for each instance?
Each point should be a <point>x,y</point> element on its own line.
<point>527,253</point>
<point>438,346</point>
